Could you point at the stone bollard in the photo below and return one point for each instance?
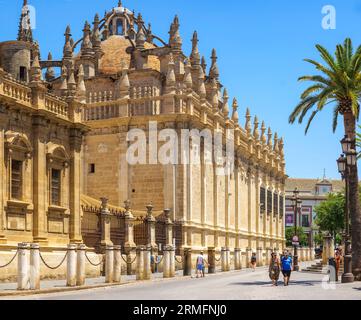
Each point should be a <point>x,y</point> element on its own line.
<point>80,273</point>
<point>260,257</point>
<point>147,263</point>
<point>140,262</point>
<point>71,268</point>
<point>168,262</point>
<point>34,266</point>
<point>109,264</point>
<point>187,263</point>
<point>23,267</point>
<point>172,262</point>
<point>225,257</point>
<point>212,260</point>
<point>117,264</point>
<point>237,259</point>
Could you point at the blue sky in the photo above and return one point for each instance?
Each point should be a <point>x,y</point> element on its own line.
<point>261,45</point>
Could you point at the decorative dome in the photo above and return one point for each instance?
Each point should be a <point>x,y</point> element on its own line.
<point>115,56</point>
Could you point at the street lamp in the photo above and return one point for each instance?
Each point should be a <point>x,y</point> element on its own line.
<point>344,163</point>
<point>296,205</point>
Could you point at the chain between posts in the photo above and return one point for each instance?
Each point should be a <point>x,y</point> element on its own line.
<point>217,260</point>
<point>93,264</point>
<point>50,267</point>
<point>182,260</point>
<point>158,262</point>
<point>126,261</point>
<point>11,261</point>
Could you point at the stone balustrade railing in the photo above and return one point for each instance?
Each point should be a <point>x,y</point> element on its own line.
<point>15,90</point>
<point>55,105</point>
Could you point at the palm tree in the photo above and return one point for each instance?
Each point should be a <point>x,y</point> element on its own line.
<point>338,85</point>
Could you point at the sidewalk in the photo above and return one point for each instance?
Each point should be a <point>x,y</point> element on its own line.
<point>55,286</point>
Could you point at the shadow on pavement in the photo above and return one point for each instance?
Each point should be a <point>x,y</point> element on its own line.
<point>280,283</point>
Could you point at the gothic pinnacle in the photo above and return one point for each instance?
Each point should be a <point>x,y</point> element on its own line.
<point>214,71</point>
<point>269,141</point>
<point>195,57</point>
<point>248,122</point>
<point>225,103</point>
<point>188,81</point>
<point>170,80</point>
<point>255,129</point>
<point>235,116</point>
<point>263,133</point>
<point>204,65</point>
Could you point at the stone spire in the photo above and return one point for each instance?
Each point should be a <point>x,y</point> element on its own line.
<point>201,85</point>
<point>263,134</point>
<point>225,103</point>
<point>81,89</point>
<point>276,146</point>
<point>235,116</point>
<point>204,65</point>
<point>124,84</point>
<point>188,81</point>
<point>248,122</point>
<point>282,148</point>
<point>68,50</point>
<point>214,71</point>
<point>175,40</point>
<point>269,141</point>
<point>25,33</point>
<point>64,82</point>
<point>195,57</point>
<point>214,95</point>
<point>71,81</point>
<point>170,80</point>
<point>35,71</point>
<point>149,34</point>
<point>140,38</point>
<point>50,73</point>
<point>86,46</point>
<point>96,40</point>
<point>255,129</point>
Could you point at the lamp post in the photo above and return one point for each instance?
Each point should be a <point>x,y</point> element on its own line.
<point>344,163</point>
<point>296,205</point>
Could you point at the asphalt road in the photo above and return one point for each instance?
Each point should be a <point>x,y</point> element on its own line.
<point>241,285</point>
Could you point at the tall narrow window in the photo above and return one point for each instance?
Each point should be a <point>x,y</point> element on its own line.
<point>16,179</point>
<point>269,202</point>
<point>23,74</point>
<point>263,200</point>
<point>275,204</point>
<point>120,30</point>
<point>55,187</point>
<point>282,212</point>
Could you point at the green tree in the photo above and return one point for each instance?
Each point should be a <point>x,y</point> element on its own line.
<point>330,215</point>
<point>338,84</point>
<point>302,236</point>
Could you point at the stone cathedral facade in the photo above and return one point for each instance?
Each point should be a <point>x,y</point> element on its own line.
<point>64,127</point>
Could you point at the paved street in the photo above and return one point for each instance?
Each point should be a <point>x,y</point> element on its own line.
<point>243,285</point>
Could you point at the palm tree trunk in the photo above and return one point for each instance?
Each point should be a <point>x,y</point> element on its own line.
<point>354,200</point>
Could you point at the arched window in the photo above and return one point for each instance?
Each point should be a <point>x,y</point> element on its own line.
<point>119,27</point>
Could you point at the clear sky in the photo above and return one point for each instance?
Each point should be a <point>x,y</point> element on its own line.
<point>261,45</point>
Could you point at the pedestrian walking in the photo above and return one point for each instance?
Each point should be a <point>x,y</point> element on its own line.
<point>200,265</point>
<point>254,261</point>
<point>274,269</point>
<point>286,265</point>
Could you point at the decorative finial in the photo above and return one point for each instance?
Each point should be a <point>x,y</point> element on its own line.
<point>263,133</point>
<point>255,129</point>
<point>188,81</point>
<point>269,142</point>
<point>195,56</point>
<point>225,103</point>
<point>204,65</point>
<point>248,122</point>
<point>214,71</point>
<point>235,116</point>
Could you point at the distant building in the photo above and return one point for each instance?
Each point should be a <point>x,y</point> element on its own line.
<point>312,193</point>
